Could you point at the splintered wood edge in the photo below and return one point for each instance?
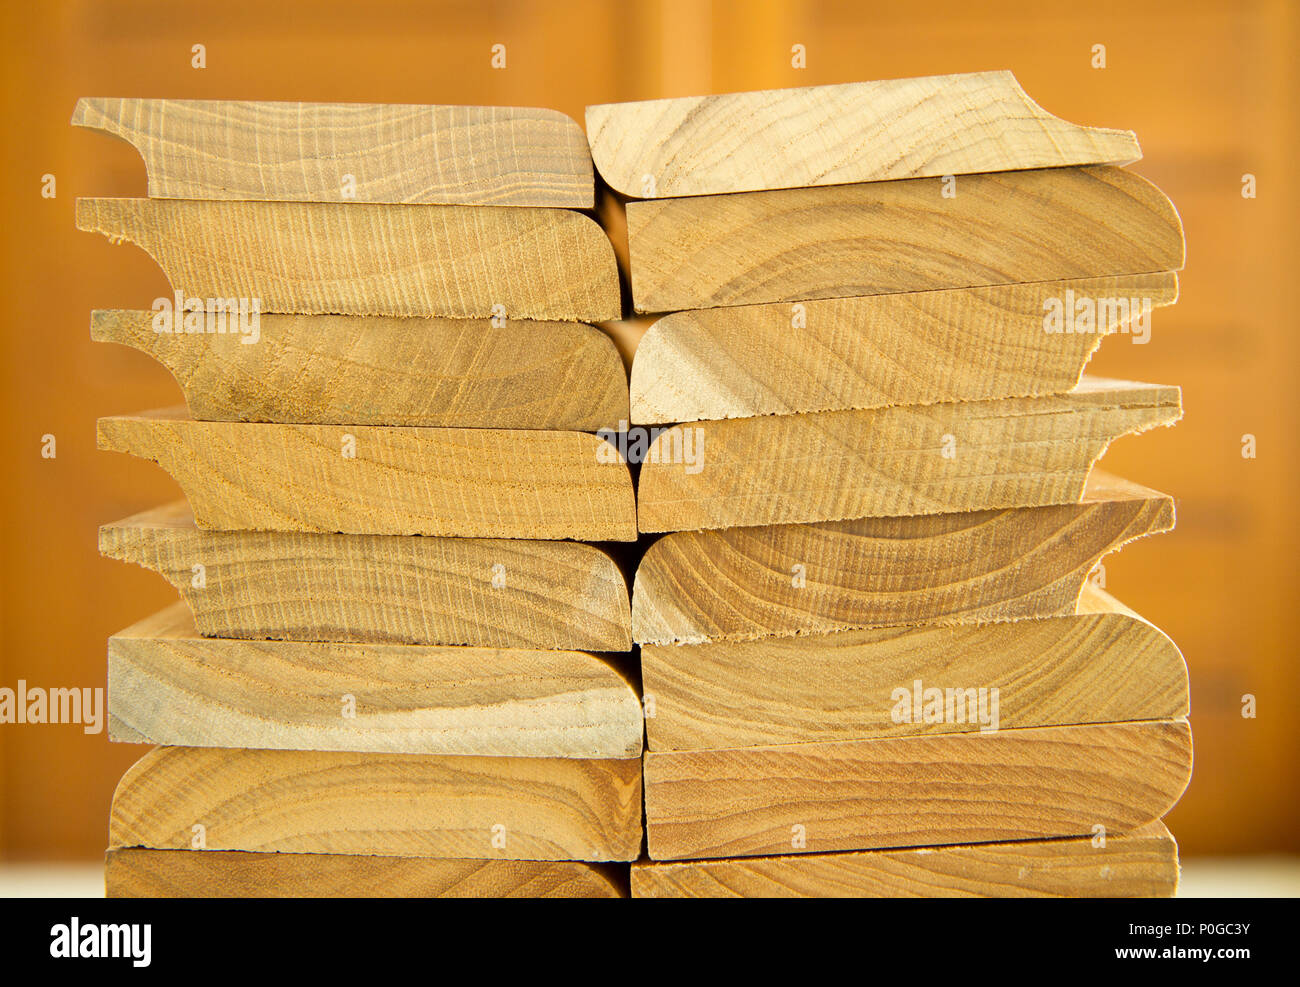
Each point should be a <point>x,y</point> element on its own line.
<point>676,142</point>
<point>169,685</point>
<point>182,161</point>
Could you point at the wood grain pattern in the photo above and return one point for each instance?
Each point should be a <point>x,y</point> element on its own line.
<point>1099,666</point>
<point>914,347</point>
<point>1140,864</point>
<point>416,805</point>
<point>467,155</point>
<point>914,791</point>
<point>169,685</point>
<point>355,258</point>
<point>138,873</point>
<point>381,589</point>
<point>831,135</point>
<point>742,583</point>
<point>354,370</point>
<point>466,482</point>
<point>907,460</point>
<point>851,240</point>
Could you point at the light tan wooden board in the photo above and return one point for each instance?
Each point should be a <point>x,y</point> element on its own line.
<point>468,155</point>
<point>831,135</point>
<point>914,791</point>
<point>354,258</point>
<point>381,588</point>
<point>1141,864</point>
<point>885,462</point>
<point>1102,665</point>
<point>169,685</point>
<point>357,370</point>
<point>417,805</point>
<point>374,479</point>
<point>914,347</point>
<point>851,240</point>
<point>137,873</point>
<point>979,566</point>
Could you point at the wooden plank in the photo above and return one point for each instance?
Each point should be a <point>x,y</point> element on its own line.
<point>138,873</point>
<point>885,462</point>
<point>374,479</point>
<point>466,155</point>
<point>832,135</point>
<point>914,347</point>
<point>352,258</point>
<point>169,685</point>
<point>1099,666</point>
<point>746,583</point>
<point>406,805</point>
<point>492,593</point>
<point>354,370</point>
<point>914,791</point>
<point>1140,864</point>
<point>851,240</point>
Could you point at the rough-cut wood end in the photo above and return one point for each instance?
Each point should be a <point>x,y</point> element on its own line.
<point>416,805</point>
<point>1140,864</point>
<point>332,152</point>
<point>137,873</point>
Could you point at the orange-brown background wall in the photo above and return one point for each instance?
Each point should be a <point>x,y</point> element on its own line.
<point>1209,88</point>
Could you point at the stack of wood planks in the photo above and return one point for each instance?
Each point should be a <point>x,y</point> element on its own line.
<point>876,650</point>
<point>396,668</point>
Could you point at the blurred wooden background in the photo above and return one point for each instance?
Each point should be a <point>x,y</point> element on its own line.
<point>1210,89</point>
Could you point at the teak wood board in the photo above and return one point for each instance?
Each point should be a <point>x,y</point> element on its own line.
<point>493,593</point>
<point>977,566</point>
<point>329,152</point>
<point>418,805</point>
<point>831,135</point>
<point>169,685</point>
<point>1024,784</point>
<point>359,370</point>
<point>850,240</point>
<point>372,479</point>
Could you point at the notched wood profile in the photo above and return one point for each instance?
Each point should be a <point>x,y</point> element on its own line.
<point>357,370</point>
<point>302,586</point>
<point>1027,784</point>
<point>329,152</point>
<point>914,347</point>
<point>852,240</point>
<point>980,566</point>
<point>832,135</point>
<point>169,685</point>
<point>417,805</point>
<point>139,873</point>
<point>353,258</point>
<point>464,482</point>
<point>1140,864</point>
<point>884,462</point>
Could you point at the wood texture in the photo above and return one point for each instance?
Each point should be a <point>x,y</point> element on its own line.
<point>370,259</point>
<point>914,347</point>
<point>1102,665</point>
<point>914,791</point>
<point>466,155</point>
<point>831,135</point>
<point>137,873</point>
<point>465,482</point>
<point>354,370</point>
<point>918,459</point>
<point>381,589</point>
<point>413,805</point>
<point>1141,864</point>
<point>169,685</point>
<point>851,240</point>
<point>742,583</point>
